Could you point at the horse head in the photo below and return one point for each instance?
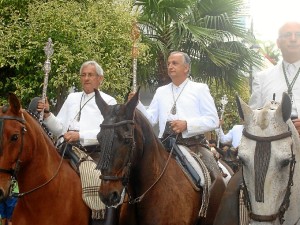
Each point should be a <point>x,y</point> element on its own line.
<point>268,151</point>
<point>229,156</point>
<point>118,144</point>
<point>12,130</point>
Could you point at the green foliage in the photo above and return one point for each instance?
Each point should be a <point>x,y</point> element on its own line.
<point>80,31</point>
<point>212,32</point>
<point>230,115</point>
<point>270,51</point>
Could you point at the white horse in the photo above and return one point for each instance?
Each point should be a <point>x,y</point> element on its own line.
<point>270,156</point>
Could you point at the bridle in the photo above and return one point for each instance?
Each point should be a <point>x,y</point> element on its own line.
<point>129,136</point>
<point>286,201</point>
<point>14,171</point>
<point>127,168</point>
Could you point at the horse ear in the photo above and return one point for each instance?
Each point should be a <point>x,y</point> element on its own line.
<point>102,105</point>
<point>285,107</point>
<point>238,103</point>
<point>14,103</point>
<point>243,108</point>
<point>131,104</point>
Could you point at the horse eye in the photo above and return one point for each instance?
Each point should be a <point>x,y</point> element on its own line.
<point>127,141</point>
<point>285,163</point>
<point>242,161</point>
<point>14,137</point>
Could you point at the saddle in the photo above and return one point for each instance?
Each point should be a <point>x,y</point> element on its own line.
<point>85,167</point>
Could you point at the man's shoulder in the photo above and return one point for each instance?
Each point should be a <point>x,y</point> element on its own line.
<point>107,97</point>
<point>198,84</point>
<point>164,87</point>
<point>238,127</point>
<point>78,93</point>
<point>268,71</point>
<point>74,95</point>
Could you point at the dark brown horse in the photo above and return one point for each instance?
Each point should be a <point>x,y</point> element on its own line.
<point>230,157</point>
<point>50,190</point>
<point>133,160</point>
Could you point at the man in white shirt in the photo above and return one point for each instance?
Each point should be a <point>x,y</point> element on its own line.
<point>79,118</point>
<point>233,137</point>
<point>184,110</point>
<point>187,105</point>
<point>267,85</point>
<point>284,77</point>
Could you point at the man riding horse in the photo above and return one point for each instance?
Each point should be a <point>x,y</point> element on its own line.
<point>79,119</point>
<point>185,110</point>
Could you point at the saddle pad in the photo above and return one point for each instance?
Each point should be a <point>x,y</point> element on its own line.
<point>193,162</point>
<point>224,169</point>
<point>90,182</point>
<point>198,165</point>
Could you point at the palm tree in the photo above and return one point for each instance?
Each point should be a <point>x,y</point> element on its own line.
<point>210,31</point>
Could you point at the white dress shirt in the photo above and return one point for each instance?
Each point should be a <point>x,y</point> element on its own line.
<point>194,104</point>
<point>90,119</point>
<point>271,81</point>
<point>233,136</point>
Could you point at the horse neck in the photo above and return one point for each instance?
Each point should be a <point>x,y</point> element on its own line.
<point>40,156</point>
<point>151,156</point>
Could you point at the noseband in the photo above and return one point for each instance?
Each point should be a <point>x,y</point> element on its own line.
<point>262,143</point>
<point>105,153</point>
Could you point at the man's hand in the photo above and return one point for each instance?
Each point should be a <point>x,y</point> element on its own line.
<point>221,122</point>
<point>44,106</point>
<point>71,136</point>
<point>297,124</point>
<point>178,126</point>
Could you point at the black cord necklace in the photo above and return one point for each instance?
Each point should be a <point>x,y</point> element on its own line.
<point>173,109</point>
<point>78,115</point>
<point>290,85</point>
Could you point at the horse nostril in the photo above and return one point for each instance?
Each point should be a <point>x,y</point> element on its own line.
<point>114,197</point>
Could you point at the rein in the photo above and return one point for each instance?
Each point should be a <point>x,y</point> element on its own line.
<point>14,172</point>
<point>140,198</point>
<point>125,177</point>
<point>286,201</point>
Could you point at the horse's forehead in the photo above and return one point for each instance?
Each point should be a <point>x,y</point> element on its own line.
<point>265,120</point>
<point>114,114</point>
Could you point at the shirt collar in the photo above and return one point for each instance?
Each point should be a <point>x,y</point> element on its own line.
<point>297,64</point>
<point>182,84</point>
<point>85,95</point>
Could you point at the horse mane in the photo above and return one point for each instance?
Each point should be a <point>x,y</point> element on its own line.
<point>142,128</point>
<point>42,125</point>
<point>146,128</point>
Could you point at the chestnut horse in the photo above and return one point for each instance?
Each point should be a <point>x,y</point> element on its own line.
<point>133,160</point>
<point>50,190</point>
<point>269,178</point>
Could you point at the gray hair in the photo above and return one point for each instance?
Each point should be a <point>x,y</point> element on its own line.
<point>99,69</point>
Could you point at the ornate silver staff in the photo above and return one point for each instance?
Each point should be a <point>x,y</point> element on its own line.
<point>48,49</point>
<point>224,101</point>
<point>135,34</point>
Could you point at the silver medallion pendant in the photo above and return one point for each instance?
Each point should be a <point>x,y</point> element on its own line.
<point>291,97</point>
<point>173,109</point>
